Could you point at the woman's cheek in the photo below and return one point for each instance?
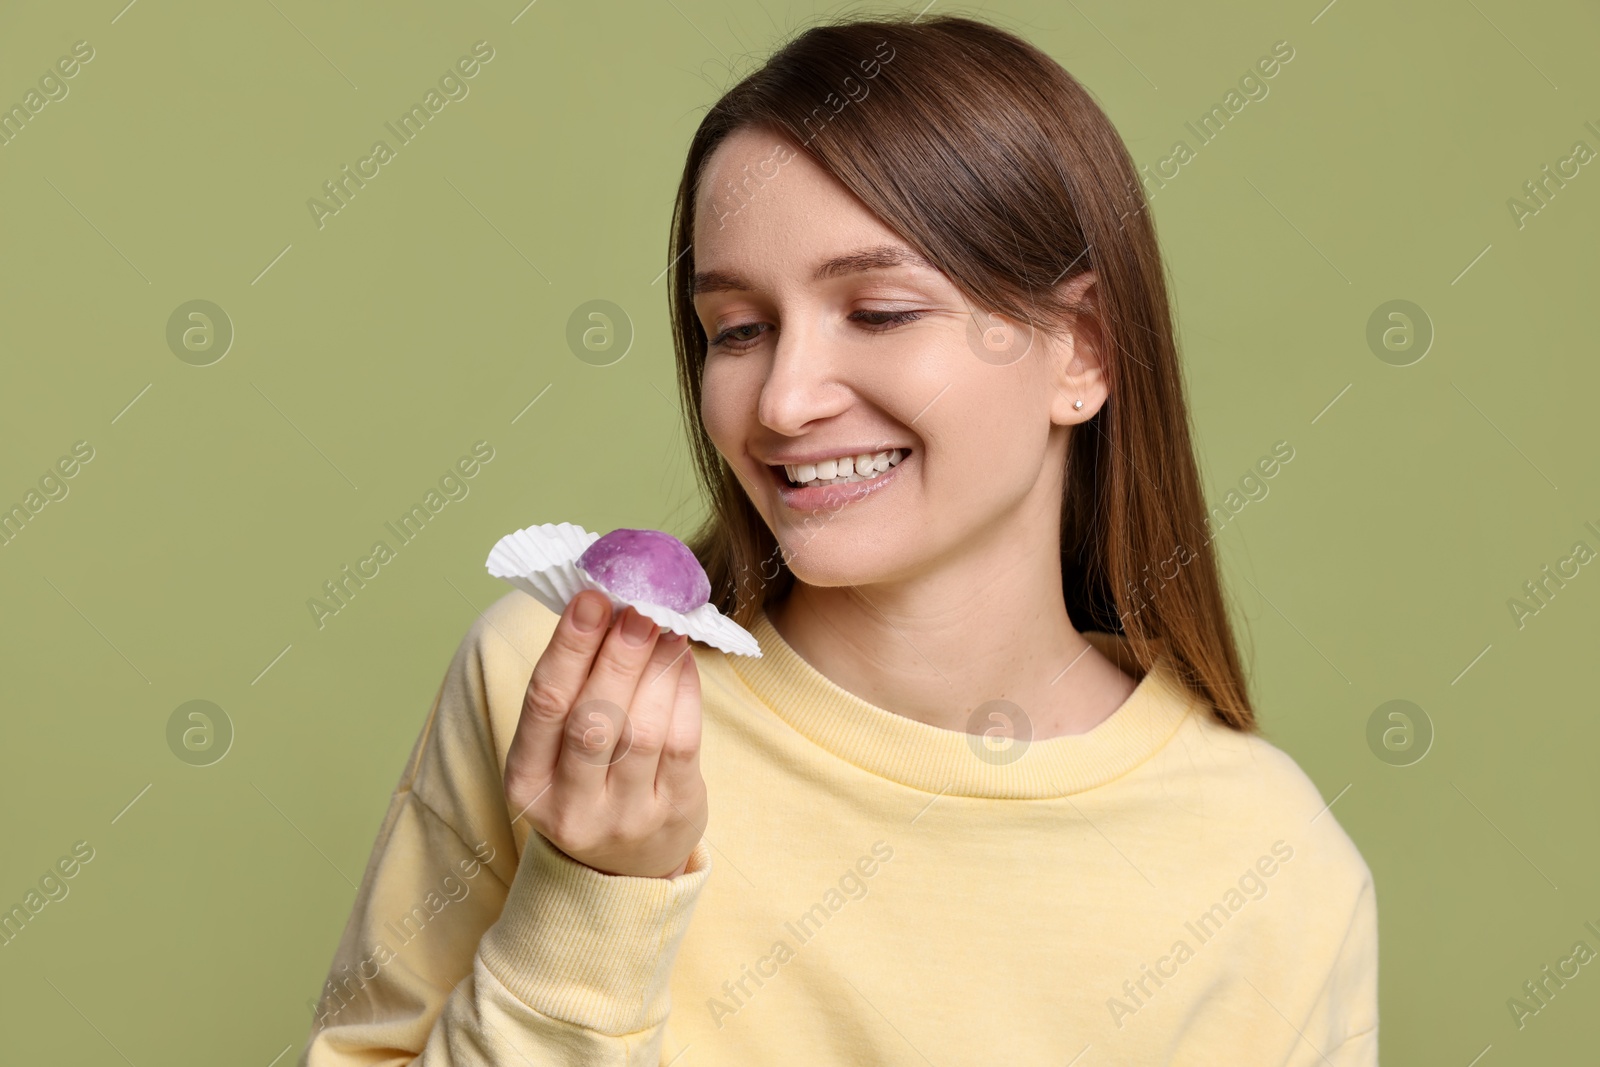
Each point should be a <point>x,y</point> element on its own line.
<point>988,438</point>
<point>715,405</point>
<point>727,410</point>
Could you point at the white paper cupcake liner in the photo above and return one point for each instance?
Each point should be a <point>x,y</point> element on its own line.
<point>542,561</point>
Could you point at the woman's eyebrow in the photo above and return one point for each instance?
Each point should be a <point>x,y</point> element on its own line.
<point>863,259</point>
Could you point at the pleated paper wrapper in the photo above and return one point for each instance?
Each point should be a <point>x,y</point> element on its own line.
<point>542,561</point>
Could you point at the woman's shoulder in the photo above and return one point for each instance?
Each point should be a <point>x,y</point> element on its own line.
<point>1247,824</point>
<point>479,703</point>
<point>514,629</point>
<point>1261,791</point>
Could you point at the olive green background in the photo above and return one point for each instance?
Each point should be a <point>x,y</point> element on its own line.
<point>371,353</point>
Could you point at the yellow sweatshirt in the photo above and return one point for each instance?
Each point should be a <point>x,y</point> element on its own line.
<point>870,890</point>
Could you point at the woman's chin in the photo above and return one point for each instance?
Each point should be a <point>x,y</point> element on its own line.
<point>839,565</point>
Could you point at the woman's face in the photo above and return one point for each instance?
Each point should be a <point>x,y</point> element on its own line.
<point>828,338</point>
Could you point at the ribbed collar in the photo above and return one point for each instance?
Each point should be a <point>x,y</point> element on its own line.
<point>942,761</point>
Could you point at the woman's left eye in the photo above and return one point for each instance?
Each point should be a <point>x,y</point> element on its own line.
<point>890,319</point>
<point>736,338</point>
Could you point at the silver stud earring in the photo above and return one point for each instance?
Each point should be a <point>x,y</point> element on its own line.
<point>1076,404</point>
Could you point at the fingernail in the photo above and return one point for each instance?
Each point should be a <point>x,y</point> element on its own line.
<point>636,627</point>
<point>586,617</point>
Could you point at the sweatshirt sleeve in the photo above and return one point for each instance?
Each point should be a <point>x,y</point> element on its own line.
<point>1354,981</point>
<point>1347,1024</point>
<point>473,941</point>
<point>1359,1050</point>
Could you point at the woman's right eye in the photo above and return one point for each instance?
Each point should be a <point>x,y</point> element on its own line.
<point>735,338</point>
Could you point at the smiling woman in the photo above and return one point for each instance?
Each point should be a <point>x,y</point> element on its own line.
<point>937,412</point>
<point>858,340</point>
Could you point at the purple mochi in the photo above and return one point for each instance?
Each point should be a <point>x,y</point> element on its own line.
<point>648,565</point>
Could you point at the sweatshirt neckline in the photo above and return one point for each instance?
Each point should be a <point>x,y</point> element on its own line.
<point>953,762</point>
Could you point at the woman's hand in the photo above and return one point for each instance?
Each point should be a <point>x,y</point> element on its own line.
<point>605,762</point>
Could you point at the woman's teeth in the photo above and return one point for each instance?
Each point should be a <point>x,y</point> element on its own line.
<point>845,469</point>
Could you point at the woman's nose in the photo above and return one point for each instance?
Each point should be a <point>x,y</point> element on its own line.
<point>802,383</point>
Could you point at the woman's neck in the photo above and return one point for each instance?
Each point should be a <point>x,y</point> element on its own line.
<point>935,651</point>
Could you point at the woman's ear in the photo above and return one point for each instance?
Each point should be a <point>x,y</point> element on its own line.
<point>1075,364</point>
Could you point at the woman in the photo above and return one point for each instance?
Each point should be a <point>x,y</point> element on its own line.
<point>994,793</point>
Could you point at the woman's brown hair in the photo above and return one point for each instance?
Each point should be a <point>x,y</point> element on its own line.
<point>992,162</point>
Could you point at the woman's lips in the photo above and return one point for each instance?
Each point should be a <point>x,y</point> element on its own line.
<point>832,497</point>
